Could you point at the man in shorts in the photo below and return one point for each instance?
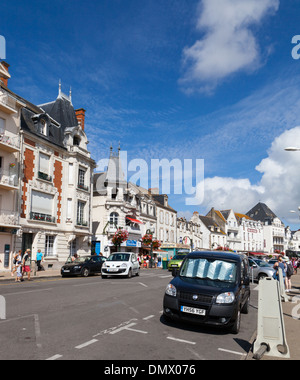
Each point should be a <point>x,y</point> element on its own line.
<point>27,263</point>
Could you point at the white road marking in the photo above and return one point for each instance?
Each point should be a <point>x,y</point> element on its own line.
<point>116,331</point>
<point>181,340</point>
<point>146,286</point>
<point>55,357</point>
<point>232,352</point>
<point>149,317</point>
<point>87,344</point>
<point>138,331</point>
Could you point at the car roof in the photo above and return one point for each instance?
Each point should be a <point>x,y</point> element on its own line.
<point>217,255</point>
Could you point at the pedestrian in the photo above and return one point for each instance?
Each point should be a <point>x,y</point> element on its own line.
<point>39,260</point>
<point>280,264</point>
<point>19,267</point>
<point>27,263</point>
<point>15,267</point>
<point>289,273</point>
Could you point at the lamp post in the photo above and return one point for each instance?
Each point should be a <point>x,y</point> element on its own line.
<point>151,232</point>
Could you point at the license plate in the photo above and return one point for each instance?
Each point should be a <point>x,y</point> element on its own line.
<point>66,271</point>
<point>192,310</point>
<point>112,270</point>
<point>174,265</point>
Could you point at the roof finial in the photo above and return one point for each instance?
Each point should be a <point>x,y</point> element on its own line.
<point>70,96</point>
<point>59,88</point>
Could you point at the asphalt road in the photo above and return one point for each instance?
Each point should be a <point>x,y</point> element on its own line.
<point>112,319</point>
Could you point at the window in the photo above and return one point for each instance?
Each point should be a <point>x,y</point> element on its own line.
<point>42,207</point>
<point>43,127</point>
<point>2,126</point>
<point>81,214</point>
<point>44,167</point>
<point>73,247</point>
<point>81,179</point>
<point>76,141</point>
<point>114,219</point>
<point>49,246</point>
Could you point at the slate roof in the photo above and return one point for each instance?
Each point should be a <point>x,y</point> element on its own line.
<point>261,212</point>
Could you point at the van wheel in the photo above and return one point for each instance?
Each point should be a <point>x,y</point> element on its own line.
<point>85,272</point>
<point>235,329</point>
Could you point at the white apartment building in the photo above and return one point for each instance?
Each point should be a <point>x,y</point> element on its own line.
<point>56,178</point>
<point>10,108</point>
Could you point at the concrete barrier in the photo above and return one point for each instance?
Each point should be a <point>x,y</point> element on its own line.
<point>271,338</point>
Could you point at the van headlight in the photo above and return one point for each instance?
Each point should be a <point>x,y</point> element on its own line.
<point>225,298</point>
<point>171,290</point>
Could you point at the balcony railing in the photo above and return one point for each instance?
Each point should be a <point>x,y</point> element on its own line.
<point>45,177</point>
<point>8,218</point>
<point>9,143</point>
<point>8,179</point>
<point>7,103</point>
<point>82,223</point>
<point>42,217</point>
<point>82,187</point>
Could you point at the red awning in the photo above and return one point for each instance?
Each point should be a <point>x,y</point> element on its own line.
<point>257,253</point>
<point>134,220</point>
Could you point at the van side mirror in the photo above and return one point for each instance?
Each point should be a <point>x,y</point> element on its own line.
<point>246,281</point>
<point>175,272</point>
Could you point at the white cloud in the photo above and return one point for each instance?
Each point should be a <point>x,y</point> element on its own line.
<point>228,46</point>
<point>279,186</point>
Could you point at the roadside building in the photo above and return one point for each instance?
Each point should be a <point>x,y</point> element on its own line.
<point>56,181</point>
<point>251,232</point>
<point>10,109</point>
<point>273,228</point>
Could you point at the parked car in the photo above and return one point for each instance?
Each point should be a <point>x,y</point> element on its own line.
<point>83,266</point>
<point>260,269</point>
<point>211,288</point>
<point>176,261</point>
<point>121,264</point>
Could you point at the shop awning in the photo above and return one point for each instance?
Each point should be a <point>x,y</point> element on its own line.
<point>134,220</point>
<point>257,254</point>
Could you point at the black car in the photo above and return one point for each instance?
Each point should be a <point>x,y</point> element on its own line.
<point>211,288</point>
<point>83,266</point>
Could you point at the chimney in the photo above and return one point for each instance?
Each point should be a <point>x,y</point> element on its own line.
<point>80,114</point>
<point>4,74</point>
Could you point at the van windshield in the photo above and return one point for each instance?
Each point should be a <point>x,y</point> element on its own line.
<point>216,270</point>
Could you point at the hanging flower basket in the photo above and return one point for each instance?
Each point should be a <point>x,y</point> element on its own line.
<point>119,237</point>
<point>147,239</point>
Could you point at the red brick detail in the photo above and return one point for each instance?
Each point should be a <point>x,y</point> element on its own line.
<point>29,142</point>
<point>58,172</point>
<point>28,174</point>
<point>80,115</point>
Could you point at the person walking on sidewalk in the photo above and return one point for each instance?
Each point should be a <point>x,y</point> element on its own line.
<point>280,264</point>
<point>19,267</point>
<point>289,273</point>
<point>39,260</point>
<point>27,263</point>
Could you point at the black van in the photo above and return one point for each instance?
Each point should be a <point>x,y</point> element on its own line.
<point>211,288</point>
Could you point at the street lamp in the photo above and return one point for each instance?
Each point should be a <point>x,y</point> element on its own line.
<point>292,149</point>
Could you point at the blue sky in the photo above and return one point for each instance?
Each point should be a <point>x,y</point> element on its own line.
<point>175,79</point>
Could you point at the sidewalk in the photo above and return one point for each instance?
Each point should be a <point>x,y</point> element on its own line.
<point>6,275</point>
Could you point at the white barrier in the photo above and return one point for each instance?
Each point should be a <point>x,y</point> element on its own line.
<point>271,339</point>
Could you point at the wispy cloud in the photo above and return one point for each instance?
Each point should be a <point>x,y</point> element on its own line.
<point>228,45</point>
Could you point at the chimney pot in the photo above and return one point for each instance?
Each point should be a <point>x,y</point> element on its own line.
<point>80,115</point>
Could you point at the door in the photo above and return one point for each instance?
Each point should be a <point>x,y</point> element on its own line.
<point>27,240</point>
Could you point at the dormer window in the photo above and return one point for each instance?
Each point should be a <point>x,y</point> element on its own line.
<point>43,127</point>
<point>76,141</point>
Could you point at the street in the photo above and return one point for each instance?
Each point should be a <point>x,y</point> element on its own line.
<point>111,319</point>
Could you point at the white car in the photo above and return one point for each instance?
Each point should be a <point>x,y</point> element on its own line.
<point>121,264</point>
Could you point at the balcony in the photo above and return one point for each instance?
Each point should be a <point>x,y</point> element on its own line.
<point>83,187</point>
<point>44,177</point>
<point>35,216</point>
<point>8,143</point>
<point>82,223</point>
<point>8,104</point>
<point>8,180</point>
<point>8,218</point>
